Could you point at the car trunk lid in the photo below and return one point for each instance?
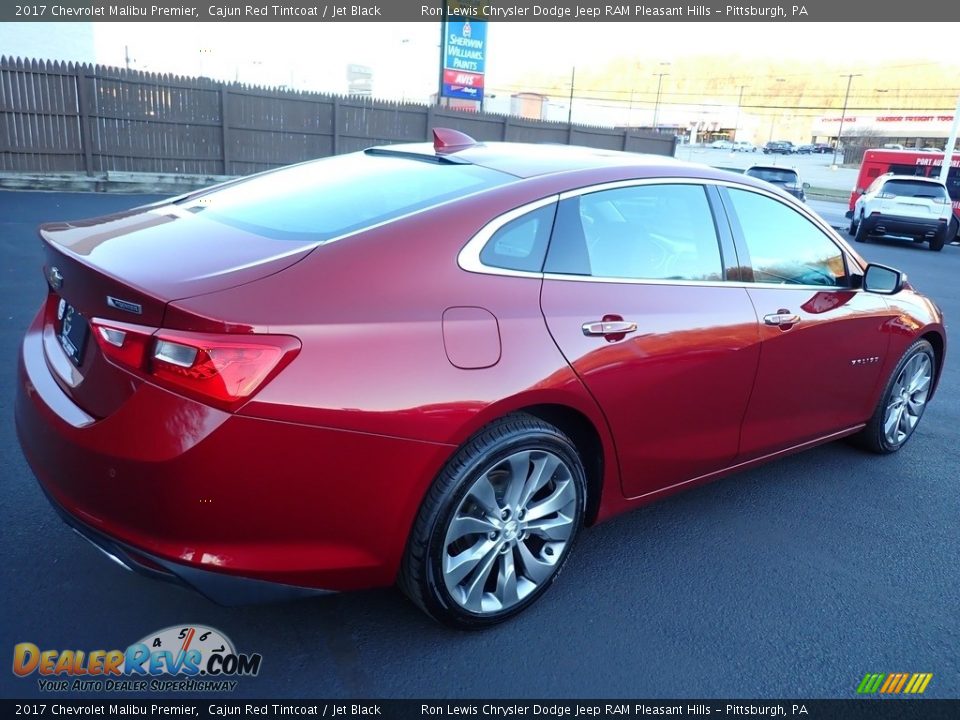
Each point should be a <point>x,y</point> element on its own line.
<point>911,207</point>
<point>162,254</point>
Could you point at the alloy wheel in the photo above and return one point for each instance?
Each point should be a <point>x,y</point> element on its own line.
<point>510,531</point>
<point>907,400</point>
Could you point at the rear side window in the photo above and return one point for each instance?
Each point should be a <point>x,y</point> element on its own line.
<point>646,232</point>
<point>522,243</point>
<point>327,198</point>
<point>912,188</point>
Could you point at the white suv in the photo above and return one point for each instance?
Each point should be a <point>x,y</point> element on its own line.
<point>903,205</point>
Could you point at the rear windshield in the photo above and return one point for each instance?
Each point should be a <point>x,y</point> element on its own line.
<point>327,198</point>
<point>914,188</point>
<point>773,175</point>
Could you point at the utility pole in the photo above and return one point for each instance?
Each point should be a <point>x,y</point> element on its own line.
<point>843,115</point>
<point>443,56</point>
<point>633,85</point>
<point>736,124</point>
<point>951,144</point>
<point>573,80</point>
<point>656,106</point>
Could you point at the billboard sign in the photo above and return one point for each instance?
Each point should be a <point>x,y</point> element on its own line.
<point>463,85</point>
<point>464,59</point>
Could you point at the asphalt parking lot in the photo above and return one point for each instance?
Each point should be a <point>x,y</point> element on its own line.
<point>791,580</point>
<point>815,169</point>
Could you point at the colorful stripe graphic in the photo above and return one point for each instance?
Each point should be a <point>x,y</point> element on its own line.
<point>894,683</point>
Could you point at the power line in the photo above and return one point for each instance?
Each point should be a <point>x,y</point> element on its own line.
<point>873,70</point>
<point>614,103</point>
<point>806,94</point>
<point>879,102</point>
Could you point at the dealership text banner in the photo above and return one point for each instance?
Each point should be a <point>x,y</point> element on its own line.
<point>437,10</point>
<point>512,710</point>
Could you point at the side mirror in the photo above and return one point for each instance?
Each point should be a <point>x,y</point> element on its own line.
<point>882,280</point>
<point>806,186</point>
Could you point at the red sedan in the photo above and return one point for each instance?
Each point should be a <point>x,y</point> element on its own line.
<point>432,364</point>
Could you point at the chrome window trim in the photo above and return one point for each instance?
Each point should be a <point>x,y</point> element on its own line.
<point>698,283</point>
<point>469,257</point>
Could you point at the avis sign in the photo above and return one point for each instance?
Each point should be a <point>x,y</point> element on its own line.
<point>464,59</point>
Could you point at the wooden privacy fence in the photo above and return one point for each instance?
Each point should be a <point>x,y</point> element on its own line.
<point>66,117</point>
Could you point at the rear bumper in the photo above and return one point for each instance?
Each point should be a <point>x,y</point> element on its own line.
<point>221,588</point>
<point>223,503</point>
<point>900,225</point>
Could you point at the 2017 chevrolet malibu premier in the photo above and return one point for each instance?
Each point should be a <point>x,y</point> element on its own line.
<point>432,364</point>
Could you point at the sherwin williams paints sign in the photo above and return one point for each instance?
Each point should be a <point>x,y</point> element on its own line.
<point>464,58</point>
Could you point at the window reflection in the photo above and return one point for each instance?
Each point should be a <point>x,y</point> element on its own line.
<point>785,247</point>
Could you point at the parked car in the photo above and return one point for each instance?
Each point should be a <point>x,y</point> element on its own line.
<point>905,205</point>
<point>432,364</point>
<point>805,149</point>
<point>783,147</point>
<point>822,148</point>
<point>721,145</point>
<point>786,179</point>
<point>913,163</point>
<point>744,146</point>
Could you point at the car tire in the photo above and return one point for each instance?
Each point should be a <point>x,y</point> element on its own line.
<point>480,506</point>
<point>900,408</point>
<point>953,230</point>
<point>862,230</point>
<point>852,230</point>
<point>938,240</point>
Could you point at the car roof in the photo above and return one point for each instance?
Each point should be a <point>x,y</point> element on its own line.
<point>771,167</point>
<point>571,165</point>
<point>917,178</point>
<point>527,160</point>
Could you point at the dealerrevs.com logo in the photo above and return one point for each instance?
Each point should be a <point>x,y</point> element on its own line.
<point>180,658</point>
<point>894,683</point>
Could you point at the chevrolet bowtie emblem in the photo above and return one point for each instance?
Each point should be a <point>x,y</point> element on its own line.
<point>55,278</point>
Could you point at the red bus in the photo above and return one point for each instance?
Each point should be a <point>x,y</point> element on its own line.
<point>909,162</point>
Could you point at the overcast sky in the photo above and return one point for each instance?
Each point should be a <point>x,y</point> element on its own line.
<point>404,56</point>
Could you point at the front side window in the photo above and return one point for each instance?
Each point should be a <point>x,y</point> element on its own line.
<point>953,183</point>
<point>646,232</point>
<point>785,247</point>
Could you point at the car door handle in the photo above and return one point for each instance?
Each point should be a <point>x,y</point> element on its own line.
<point>783,318</point>
<point>609,327</point>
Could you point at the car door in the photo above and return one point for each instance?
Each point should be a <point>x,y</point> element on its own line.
<point>635,298</point>
<point>823,341</point>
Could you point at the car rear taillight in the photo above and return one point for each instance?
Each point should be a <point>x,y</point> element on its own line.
<point>942,201</point>
<point>223,370</point>
<point>123,343</point>
<point>220,369</point>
